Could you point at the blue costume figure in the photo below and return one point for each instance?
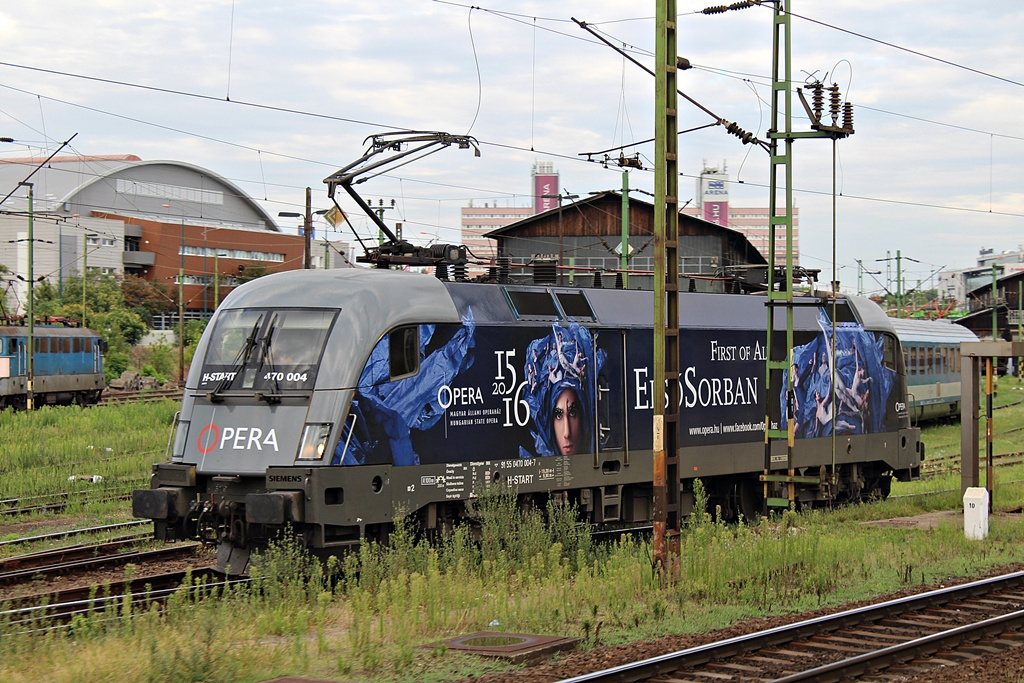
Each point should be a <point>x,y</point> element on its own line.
<point>862,382</point>
<point>387,411</point>
<point>561,371</point>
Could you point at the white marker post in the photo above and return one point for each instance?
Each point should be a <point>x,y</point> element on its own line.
<point>976,513</point>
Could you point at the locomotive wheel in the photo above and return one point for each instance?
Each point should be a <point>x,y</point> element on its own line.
<point>749,499</point>
<point>879,488</point>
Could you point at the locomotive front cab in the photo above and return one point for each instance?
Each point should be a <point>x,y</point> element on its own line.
<point>269,396</point>
<point>246,408</point>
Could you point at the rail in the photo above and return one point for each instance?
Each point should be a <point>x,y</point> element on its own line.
<point>845,644</point>
<point>147,396</point>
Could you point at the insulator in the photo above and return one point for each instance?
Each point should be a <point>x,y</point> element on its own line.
<point>492,273</point>
<point>743,135</point>
<point>545,272</point>
<point>618,280</point>
<point>817,99</point>
<point>459,271</point>
<point>441,271</point>
<point>693,285</point>
<point>718,9</point>
<point>597,280</point>
<point>504,266</point>
<point>736,286</point>
<point>848,116</point>
<point>834,105</point>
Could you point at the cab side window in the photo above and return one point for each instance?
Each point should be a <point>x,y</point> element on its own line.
<point>891,356</point>
<point>404,351</point>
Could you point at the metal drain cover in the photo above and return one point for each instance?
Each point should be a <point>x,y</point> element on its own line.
<point>513,647</point>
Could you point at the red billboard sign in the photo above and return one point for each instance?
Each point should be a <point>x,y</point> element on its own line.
<point>717,212</point>
<point>545,193</point>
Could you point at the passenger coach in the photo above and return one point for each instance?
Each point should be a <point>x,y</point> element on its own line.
<point>931,352</point>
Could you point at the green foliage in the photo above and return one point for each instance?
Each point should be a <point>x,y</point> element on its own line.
<point>46,446</point>
<point>145,298</point>
<point>106,310</point>
<point>149,371</point>
<point>46,300</point>
<point>252,271</point>
<point>193,331</point>
<point>102,293</point>
<point>114,363</point>
<point>161,360</point>
<point>120,329</point>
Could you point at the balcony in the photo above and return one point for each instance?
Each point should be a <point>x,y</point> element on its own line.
<point>138,259</point>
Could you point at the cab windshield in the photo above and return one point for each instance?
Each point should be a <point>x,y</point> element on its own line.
<point>265,350</point>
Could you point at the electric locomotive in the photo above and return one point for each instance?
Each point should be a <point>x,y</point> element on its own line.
<point>333,401</point>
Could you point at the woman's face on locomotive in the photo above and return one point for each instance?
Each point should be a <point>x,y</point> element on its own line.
<point>567,422</point>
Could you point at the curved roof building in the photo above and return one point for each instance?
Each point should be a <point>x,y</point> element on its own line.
<point>166,221</point>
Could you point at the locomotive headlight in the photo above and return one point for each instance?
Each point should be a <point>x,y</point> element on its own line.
<point>314,441</point>
<point>180,437</point>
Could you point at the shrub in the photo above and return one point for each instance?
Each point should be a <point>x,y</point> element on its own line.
<point>149,371</point>
<point>161,359</point>
<point>114,363</point>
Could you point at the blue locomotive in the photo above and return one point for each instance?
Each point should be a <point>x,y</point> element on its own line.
<point>931,353</point>
<point>67,366</point>
<point>331,401</point>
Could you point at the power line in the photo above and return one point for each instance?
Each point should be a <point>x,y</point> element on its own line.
<point>198,96</point>
<point>908,50</point>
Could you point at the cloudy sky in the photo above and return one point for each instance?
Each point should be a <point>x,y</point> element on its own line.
<point>276,96</point>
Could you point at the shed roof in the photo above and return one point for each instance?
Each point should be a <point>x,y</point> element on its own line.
<point>753,255</point>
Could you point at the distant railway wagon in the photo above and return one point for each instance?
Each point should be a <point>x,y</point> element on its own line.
<point>67,366</point>
<point>931,353</point>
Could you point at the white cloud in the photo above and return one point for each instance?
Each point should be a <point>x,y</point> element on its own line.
<point>545,85</point>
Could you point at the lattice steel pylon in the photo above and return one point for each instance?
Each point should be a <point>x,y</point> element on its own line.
<point>666,291</point>
<point>779,468</point>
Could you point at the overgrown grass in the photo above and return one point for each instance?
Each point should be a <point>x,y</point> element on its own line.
<point>98,454</point>
<point>41,449</point>
<point>368,615</point>
<point>365,616</point>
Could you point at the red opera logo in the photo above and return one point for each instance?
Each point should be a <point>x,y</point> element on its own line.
<point>202,438</point>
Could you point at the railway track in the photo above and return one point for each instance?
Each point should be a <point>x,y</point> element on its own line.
<point>58,503</point>
<point>951,464</point>
<point>48,611</point>
<point>79,558</point>
<point>148,396</point>
<point>903,637</point>
<point>79,532</point>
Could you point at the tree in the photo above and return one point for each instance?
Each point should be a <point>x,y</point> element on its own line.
<point>105,308</point>
<point>120,329</point>
<point>145,298</point>
<point>46,300</point>
<point>102,292</point>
